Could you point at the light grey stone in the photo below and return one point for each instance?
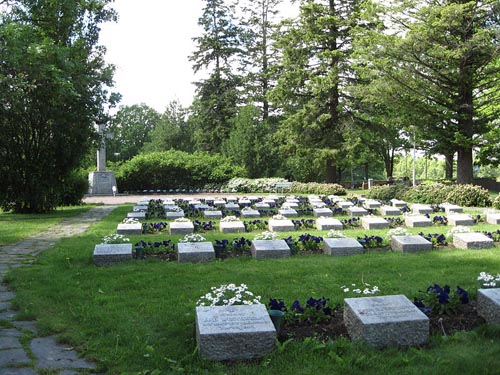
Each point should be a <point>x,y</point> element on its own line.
<point>262,205</point>
<point>344,204</point>
<point>288,212</point>
<point>172,215</point>
<point>281,225</point>
<point>327,223</point>
<point>474,241</point>
<point>452,209</point>
<point>107,254</point>
<point>357,211</point>
<point>181,227</point>
<point>398,203</point>
<point>232,206</point>
<point>219,202</point>
<point>493,218</point>
<point>288,205</point>
<point>460,219</point>
<point>11,332</point>
<point>373,222</point>
<point>241,332</point>
<point>371,204</point>
<point>129,229</point>
<point>13,357</point>
<point>17,371</point>
<point>488,305</point>
<point>342,246</point>
<point>171,207</point>
<point>250,213</point>
<point>9,342</point>
<point>195,252</point>
<point>390,211</point>
<point>422,209</point>
<point>202,206</point>
<point>244,202</point>
<point>417,221</point>
<point>231,199</point>
<point>385,321</point>
<point>216,215</point>
<point>264,249</point>
<point>231,227</point>
<point>101,182</point>
<point>140,208</point>
<point>136,215</point>
<point>410,244</point>
<point>50,355</point>
<point>326,212</point>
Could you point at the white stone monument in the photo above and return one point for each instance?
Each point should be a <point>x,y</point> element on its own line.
<point>102,182</point>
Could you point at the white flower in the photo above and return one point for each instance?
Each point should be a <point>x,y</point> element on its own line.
<point>228,219</point>
<point>182,220</point>
<point>487,280</point>
<point>279,217</point>
<point>397,232</point>
<point>266,236</point>
<point>194,237</point>
<point>458,229</point>
<point>115,239</point>
<point>227,295</point>
<point>365,291</point>
<point>335,234</point>
<point>130,220</point>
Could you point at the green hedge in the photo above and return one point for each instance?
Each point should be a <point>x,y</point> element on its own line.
<point>463,195</point>
<point>318,188</point>
<point>174,170</point>
<point>387,192</point>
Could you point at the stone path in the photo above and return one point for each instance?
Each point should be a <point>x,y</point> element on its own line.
<point>22,352</point>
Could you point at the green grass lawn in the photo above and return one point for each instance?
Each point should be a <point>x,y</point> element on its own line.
<point>139,317</point>
<point>15,227</point>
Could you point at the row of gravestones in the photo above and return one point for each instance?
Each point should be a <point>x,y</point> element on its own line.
<point>246,332</point>
<point>107,254</point>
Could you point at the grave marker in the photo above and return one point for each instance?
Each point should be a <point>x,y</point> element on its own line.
<point>342,246</point>
<point>195,252</point>
<point>488,305</point>
<point>265,249</point>
<point>108,254</point>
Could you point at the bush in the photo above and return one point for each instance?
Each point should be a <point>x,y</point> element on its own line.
<point>429,194</point>
<point>255,185</point>
<point>469,196</point>
<point>387,192</point>
<point>318,188</point>
<point>175,170</point>
<point>73,189</point>
<point>496,202</point>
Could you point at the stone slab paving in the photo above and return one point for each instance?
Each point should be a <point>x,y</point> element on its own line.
<point>42,354</point>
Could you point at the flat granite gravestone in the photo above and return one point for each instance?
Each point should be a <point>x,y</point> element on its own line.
<point>342,246</point>
<point>212,214</point>
<point>474,241</point>
<point>390,211</point>
<point>415,221</point>
<point>318,212</point>
<point>398,203</point>
<point>250,213</point>
<point>493,218</point>
<point>385,321</point>
<point>452,209</point>
<point>371,204</point>
<point>107,254</point>
<point>232,206</point>
<point>460,219</point>
<point>373,222</point>
<point>281,225</point>
<point>241,332</point>
<point>344,204</point>
<point>174,215</point>
<point>195,252</point>
<point>488,305</point>
<point>136,215</point>
<point>288,212</point>
<point>357,211</point>
<point>129,228</point>
<point>181,227</point>
<point>231,226</point>
<point>140,208</point>
<point>266,249</point>
<point>262,205</point>
<point>327,223</point>
<point>422,209</point>
<point>410,244</point>
<point>290,205</point>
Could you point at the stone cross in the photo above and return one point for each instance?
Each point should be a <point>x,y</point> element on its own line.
<point>101,151</point>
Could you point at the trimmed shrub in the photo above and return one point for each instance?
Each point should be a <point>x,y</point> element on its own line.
<point>429,194</point>
<point>73,188</point>
<point>318,188</point>
<point>253,185</point>
<point>469,196</point>
<point>175,170</point>
<point>496,202</point>
<point>387,192</point>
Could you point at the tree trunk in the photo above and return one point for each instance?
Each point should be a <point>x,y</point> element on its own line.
<point>331,171</point>
<point>449,166</point>
<point>366,171</point>
<point>464,166</point>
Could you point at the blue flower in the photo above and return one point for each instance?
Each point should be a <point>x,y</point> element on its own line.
<point>296,307</point>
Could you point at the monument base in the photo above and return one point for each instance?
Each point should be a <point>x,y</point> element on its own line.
<point>101,183</point>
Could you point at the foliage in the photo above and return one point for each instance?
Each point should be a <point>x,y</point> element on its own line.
<point>253,225</point>
<point>73,188</point>
<point>496,202</point>
<point>154,227</point>
<point>314,311</point>
<point>173,170</point>
<point>387,192</point>
<point>115,239</point>
<point>318,188</point>
<point>429,194</point>
<point>440,300</point>
<point>305,243</point>
<point>371,242</point>
<point>258,185</point>
<point>204,226</point>
<point>53,89</point>
<point>165,249</point>
<point>228,295</point>
<point>469,196</point>
<point>304,224</point>
<point>437,239</point>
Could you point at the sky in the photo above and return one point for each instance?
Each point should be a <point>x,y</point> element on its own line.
<point>150,45</point>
